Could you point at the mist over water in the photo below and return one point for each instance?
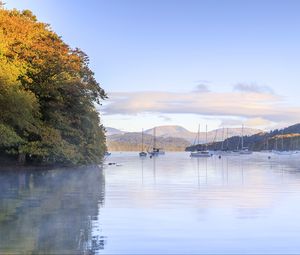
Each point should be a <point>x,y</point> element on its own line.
<point>50,212</point>
<point>168,204</point>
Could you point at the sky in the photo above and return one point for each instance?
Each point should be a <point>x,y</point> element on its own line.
<point>220,63</point>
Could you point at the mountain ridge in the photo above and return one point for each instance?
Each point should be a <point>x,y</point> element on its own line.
<point>181,132</point>
<point>171,137</point>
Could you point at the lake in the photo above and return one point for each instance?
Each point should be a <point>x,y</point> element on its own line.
<point>168,204</point>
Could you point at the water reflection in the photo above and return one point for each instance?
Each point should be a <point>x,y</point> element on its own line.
<point>176,204</point>
<point>50,211</point>
<point>169,204</point>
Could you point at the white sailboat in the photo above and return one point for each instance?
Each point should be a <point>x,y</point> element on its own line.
<point>155,151</point>
<point>244,150</point>
<point>201,153</point>
<point>143,153</point>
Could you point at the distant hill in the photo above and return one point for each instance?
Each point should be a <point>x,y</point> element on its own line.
<point>283,139</point>
<point>133,142</point>
<point>165,131</point>
<point>168,137</point>
<point>113,131</point>
<point>214,135</point>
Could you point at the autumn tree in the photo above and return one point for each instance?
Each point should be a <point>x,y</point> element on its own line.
<point>47,95</point>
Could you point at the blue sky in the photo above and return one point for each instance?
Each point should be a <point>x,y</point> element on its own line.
<point>185,62</point>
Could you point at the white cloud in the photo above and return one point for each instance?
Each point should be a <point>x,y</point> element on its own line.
<point>258,122</point>
<point>257,108</point>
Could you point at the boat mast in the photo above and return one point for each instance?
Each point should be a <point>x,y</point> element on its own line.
<point>154,138</point>
<point>206,137</point>
<point>142,139</point>
<point>242,136</point>
<point>215,139</point>
<point>282,140</point>
<point>222,139</point>
<point>198,138</point>
<point>227,142</point>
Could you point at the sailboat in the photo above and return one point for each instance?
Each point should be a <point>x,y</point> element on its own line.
<point>282,151</point>
<point>155,151</point>
<point>244,150</point>
<point>142,153</point>
<point>201,153</point>
<point>225,151</point>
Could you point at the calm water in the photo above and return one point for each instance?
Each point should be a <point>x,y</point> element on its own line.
<point>169,204</point>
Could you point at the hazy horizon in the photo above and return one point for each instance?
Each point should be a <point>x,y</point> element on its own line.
<point>202,128</point>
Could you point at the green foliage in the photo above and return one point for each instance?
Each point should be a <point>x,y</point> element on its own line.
<point>47,95</point>
<point>8,137</point>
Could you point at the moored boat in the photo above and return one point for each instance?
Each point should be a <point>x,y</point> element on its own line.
<point>244,150</point>
<point>201,153</point>
<point>155,151</point>
<point>143,153</point>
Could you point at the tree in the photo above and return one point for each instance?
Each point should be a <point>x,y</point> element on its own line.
<point>48,94</point>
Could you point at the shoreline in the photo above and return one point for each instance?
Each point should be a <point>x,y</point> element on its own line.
<point>34,167</point>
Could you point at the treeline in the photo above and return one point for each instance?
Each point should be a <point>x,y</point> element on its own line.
<point>47,96</point>
<point>284,139</point>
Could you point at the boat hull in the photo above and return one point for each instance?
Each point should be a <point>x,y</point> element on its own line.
<point>200,154</point>
<point>245,152</point>
<point>155,153</point>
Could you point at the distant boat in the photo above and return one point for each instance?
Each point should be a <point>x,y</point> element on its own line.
<point>155,151</point>
<point>244,150</point>
<point>224,151</point>
<point>282,151</point>
<point>142,153</point>
<point>200,153</point>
